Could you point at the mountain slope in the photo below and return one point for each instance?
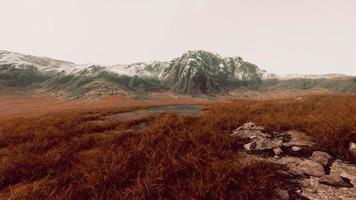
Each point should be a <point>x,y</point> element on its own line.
<point>201,72</point>
<point>194,73</point>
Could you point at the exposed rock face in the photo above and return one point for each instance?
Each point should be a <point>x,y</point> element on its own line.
<point>201,72</point>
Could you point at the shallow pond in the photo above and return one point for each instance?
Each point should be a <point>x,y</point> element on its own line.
<point>190,110</point>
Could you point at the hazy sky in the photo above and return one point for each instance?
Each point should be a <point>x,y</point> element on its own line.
<point>282,36</point>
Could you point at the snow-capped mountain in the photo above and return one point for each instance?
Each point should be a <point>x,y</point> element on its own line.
<point>41,63</point>
<point>49,64</point>
<point>195,72</point>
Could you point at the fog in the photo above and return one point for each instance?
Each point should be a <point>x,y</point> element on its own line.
<point>281,36</point>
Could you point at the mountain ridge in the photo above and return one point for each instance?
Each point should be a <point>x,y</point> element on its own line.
<point>195,72</point>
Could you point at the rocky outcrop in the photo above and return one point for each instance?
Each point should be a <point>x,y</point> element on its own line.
<point>322,177</point>
<point>202,72</point>
<point>259,140</point>
<point>275,143</point>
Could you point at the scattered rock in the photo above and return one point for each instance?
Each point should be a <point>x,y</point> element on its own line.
<point>296,148</point>
<point>334,180</point>
<point>313,190</point>
<point>312,168</point>
<point>282,194</point>
<point>321,157</point>
<point>345,170</point>
<point>352,149</point>
<point>262,141</point>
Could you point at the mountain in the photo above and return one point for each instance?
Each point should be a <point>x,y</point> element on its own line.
<point>331,82</point>
<point>194,73</point>
<point>201,72</point>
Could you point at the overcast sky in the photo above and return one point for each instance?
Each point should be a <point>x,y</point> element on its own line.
<point>281,36</point>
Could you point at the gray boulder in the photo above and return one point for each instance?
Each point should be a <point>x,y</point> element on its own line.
<point>312,168</point>
<point>333,180</point>
<point>321,157</point>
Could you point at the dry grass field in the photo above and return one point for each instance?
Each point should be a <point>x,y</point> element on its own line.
<point>75,154</point>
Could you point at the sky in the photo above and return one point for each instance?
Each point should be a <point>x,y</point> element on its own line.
<point>281,36</point>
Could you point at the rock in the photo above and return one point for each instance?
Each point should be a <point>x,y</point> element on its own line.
<point>250,126</point>
<point>322,154</point>
<point>282,194</point>
<point>277,151</point>
<point>292,164</point>
<point>321,157</point>
<point>265,143</point>
<point>352,149</point>
<point>312,168</point>
<point>250,146</point>
<point>334,180</point>
<point>296,148</point>
<point>262,141</point>
<point>248,130</point>
<point>296,171</point>
<point>299,139</point>
<point>312,189</point>
<point>346,170</point>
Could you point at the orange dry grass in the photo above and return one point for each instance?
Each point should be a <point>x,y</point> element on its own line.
<point>72,156</point>
<point>78,156</point>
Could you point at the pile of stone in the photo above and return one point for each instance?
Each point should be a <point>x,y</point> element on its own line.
<point>321,174</point>
<point>259,140</point>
